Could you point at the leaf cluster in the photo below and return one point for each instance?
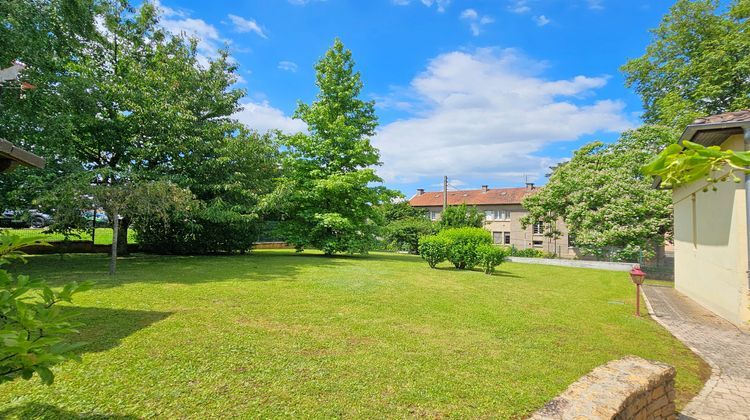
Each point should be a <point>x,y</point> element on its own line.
<point>32,327</point>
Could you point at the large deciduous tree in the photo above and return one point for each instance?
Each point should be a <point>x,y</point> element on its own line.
<point>608,205</point>
<point>330,194</point>
<point>697,64</point>
<point>128,102</point>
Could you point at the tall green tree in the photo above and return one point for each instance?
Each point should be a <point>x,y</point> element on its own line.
<point>128,102</point>
<point>697,64</point>
<point>608,205</point>
<point>330,193</point>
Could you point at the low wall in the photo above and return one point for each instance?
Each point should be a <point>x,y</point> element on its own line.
<point>602,265</point>
<point>628,388</point>
<point>73,247</point>
<point>271,245</point>
<point>88,247</point>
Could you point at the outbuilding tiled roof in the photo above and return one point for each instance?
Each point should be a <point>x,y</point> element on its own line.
<point>727,117</point>
<point>472,197</point>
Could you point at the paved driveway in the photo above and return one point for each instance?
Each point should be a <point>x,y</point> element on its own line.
<point>723,346</point>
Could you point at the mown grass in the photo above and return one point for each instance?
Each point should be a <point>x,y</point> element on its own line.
<point>275,334</point>
<point>103,235</point>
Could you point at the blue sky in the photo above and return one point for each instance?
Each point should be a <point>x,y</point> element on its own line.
<point>484,91</point>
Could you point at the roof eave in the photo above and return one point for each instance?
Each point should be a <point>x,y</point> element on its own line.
<point>12,155</point>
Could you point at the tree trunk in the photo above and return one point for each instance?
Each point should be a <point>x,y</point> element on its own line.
<point>113,256</point>
<point>122,237</point>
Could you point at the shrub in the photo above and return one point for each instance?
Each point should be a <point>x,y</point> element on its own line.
<point>463,243</point>
<point>528,253</point>
<point>404,234</point>
<point>490,256</point>
<point>433,249</point>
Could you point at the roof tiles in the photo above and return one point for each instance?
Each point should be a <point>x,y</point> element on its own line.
<point>472,197</point>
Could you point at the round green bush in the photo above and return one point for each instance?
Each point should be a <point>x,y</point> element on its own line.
<point>490,256</point>
<point>463,243</point>
<point>433,249</point>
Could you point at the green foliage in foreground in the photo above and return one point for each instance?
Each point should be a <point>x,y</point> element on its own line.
<point>32,327</point>
<point>682,164</point>
<point>278,334</point>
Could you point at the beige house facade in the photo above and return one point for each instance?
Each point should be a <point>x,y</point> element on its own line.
<point>503,213</point>
<point>711,230</point>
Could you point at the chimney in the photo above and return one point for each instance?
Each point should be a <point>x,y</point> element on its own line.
<point>420,191</point>
<point>529,186</point>
<point>485,188</point>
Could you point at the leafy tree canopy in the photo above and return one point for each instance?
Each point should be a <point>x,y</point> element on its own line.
<point>608,205</point>
<point>697,64</point>
<point>329,196</point>
<point>123,101</point>
<point>461,216</point>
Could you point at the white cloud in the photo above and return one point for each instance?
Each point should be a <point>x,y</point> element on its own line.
<point>262,116</point>
<point>168,11</point>
<point>243,25</point>
<point>489,114</point>
<point>519,6</point>
<point>595,4</point>
<point>208,37</point>
<point>475,20</point>
<point>440,4</point>
<point>541,20</point>
<point>288,66</point>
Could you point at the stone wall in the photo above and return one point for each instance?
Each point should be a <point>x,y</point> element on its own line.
<point>628,388</point>
<point>601,265</point>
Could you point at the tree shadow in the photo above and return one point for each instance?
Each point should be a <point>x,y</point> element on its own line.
<point>104,329</point>
<point>158,269</point>
<point>35,410</point>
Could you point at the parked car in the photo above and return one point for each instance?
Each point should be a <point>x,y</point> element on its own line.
<point>101,217</point>
<point>24,219</point>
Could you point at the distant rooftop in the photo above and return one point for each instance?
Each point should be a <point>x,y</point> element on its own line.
<point>484,196</point>
<point>727,117</point>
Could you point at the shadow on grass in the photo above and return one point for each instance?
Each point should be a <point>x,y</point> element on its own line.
<point>34,410</point>
<point>157,269</point>
<point>104,329</point>
<point>499,273</point>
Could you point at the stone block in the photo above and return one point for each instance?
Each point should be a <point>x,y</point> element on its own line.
<point>628,388</point>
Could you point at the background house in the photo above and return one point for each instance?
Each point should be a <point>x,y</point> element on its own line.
<point>503,212</point>
<point>710,227</point>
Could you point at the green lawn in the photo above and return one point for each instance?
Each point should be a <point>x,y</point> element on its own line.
<point>274,334</point>
<point>103,235</point>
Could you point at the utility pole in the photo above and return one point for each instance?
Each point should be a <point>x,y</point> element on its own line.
<point>445,192</point>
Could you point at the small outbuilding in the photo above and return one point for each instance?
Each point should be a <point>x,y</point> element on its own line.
<point>711,255</point>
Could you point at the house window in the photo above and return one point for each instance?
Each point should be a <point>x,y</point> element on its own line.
<point>434,215</point>
<point>538,228</point>
<point>571,241</point>
<point>497,215</point>
<point>537,244</point>
<point>501,238</point>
